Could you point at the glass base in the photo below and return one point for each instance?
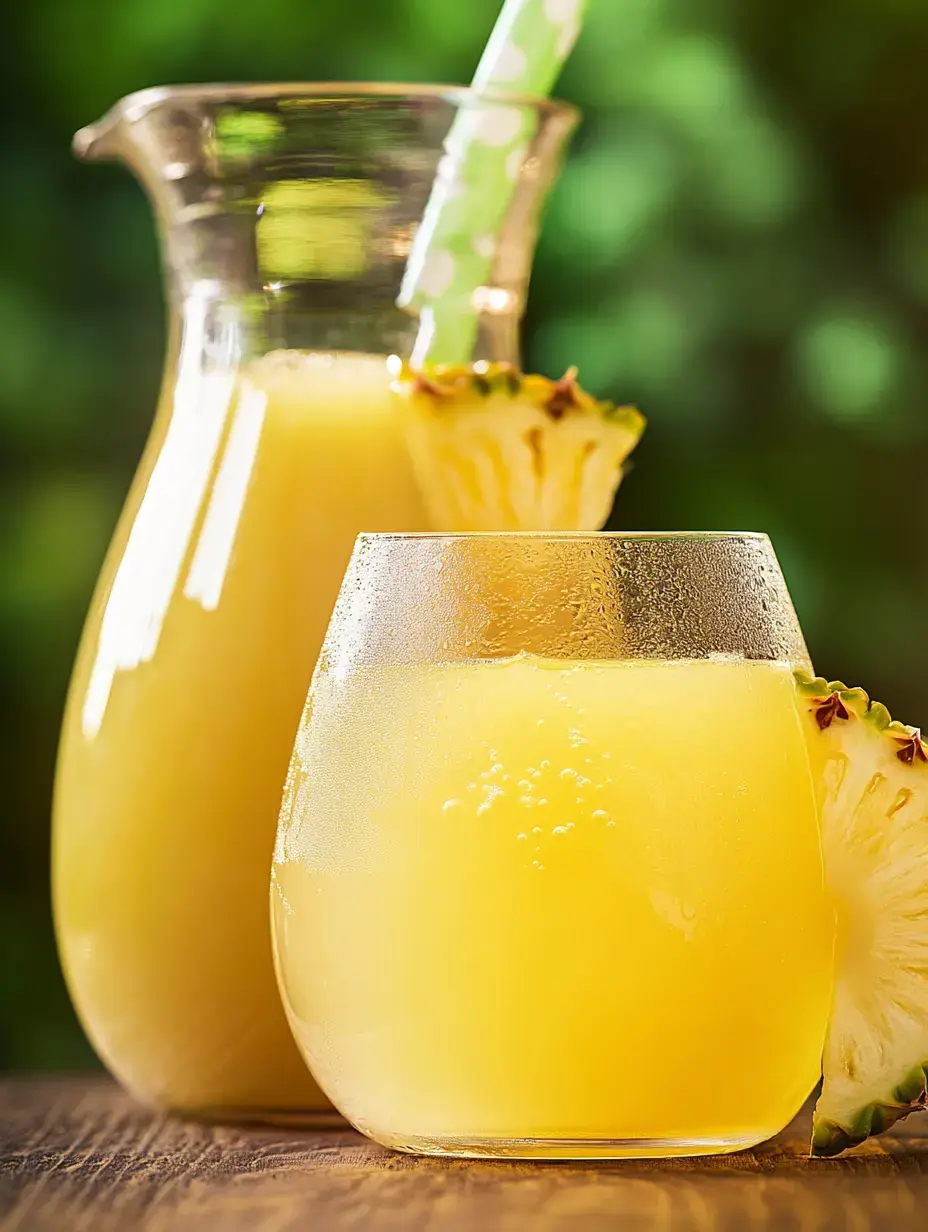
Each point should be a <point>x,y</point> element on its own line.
<point>571,1148</point>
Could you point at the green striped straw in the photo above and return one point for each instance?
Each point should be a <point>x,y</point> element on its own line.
<point>453,251</point>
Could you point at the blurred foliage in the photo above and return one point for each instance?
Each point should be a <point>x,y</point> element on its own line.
<point>739,243</point>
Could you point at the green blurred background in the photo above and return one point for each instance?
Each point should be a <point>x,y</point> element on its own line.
<point>739,244</point>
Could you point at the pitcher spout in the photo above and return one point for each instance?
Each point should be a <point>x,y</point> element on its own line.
<point>101,140</point>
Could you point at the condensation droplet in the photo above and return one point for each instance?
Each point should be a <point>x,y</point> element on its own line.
<point>450,806</point>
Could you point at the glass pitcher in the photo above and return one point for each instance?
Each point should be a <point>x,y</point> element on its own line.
<point>286,216</point>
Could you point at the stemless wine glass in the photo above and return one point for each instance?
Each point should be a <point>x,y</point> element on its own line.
<point>548,880</point>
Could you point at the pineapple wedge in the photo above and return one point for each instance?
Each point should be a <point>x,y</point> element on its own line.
<point>494,449</point>
<point>872,778</point>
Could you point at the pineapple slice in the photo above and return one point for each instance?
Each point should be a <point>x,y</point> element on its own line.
<point>872,777</point>
<point>494,449</point>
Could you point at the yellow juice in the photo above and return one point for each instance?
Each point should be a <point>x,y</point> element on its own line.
<point>524,902</point>
<point>189,684</point>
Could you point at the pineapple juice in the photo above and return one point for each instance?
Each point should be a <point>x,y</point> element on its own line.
<point>526,899</point>
<point>188,688</point>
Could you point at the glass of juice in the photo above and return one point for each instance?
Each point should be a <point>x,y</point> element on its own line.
<point>286,216</point>
<point>548,878</point>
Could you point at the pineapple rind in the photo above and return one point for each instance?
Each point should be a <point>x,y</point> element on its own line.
<point>830,1139</point>
<point>879,865</point>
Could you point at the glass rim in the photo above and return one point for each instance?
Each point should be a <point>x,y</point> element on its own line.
<point>569,536</point>
<point>133,106</point>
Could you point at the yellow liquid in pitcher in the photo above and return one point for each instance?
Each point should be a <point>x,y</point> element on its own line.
<point>188,688</point>
<point>545,900</point>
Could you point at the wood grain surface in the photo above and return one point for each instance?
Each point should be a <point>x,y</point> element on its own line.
<point>77,1155</point>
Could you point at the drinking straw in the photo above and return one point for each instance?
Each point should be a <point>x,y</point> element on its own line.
<point>454,248</point>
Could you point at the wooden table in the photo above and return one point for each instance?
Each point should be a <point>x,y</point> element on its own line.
<point>77,1155</point>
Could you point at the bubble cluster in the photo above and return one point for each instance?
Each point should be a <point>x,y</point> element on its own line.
<point>541,805</point>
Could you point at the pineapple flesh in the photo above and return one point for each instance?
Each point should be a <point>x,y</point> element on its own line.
<point>497,450</point>
<point>872,777</point>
